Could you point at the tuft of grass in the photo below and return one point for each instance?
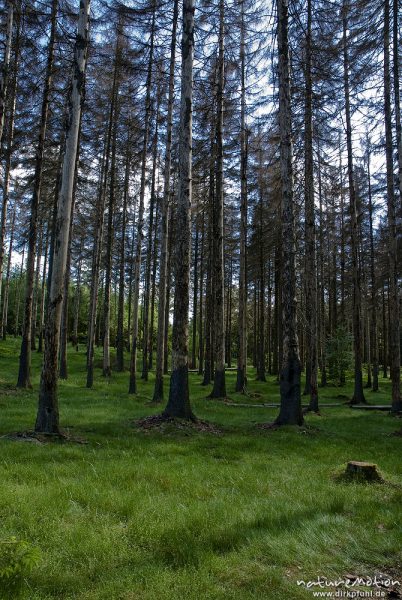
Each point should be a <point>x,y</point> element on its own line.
<point>237,516</point>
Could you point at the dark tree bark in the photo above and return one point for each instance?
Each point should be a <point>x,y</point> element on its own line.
<point>195,300</point>
<point>140,223</point>
<point>290,410</point>
<point>146,340</point>
<point>309,228</point>
<point>10,133</point>
<point>120,315</point>
<point>179,399</point>
<point>6,65</point>
<point>358,394</point>
<point>219,388</point>
<point>24,373</point>
<point>47,420</point>
<point>201,301</point>
<point>394,330</point>
<point>373,284</point>
<point>36,287</point>
<point>241,380</point>
<point>163,264</point>
<point>6,290</point>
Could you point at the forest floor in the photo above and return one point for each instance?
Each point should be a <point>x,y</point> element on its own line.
<point>176,514</point>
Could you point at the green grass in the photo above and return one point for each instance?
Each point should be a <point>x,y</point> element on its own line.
<point>142,515</point>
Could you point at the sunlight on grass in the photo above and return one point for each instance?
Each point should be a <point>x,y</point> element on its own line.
<point>142,515</point>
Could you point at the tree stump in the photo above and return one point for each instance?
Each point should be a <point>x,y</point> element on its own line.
<point>362,471</point>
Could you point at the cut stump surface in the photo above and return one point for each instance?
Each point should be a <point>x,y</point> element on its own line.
<point>362,471</point>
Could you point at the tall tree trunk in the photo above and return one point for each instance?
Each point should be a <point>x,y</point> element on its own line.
<point>228,332</point>
<point>162,288</point>
<point>179,400</point>
<point>241,380</point>
<point>358,394</point>
<point>209,301</point>
<point>261,281</point>
<point>384,334</point>
<point>10,138</point>
<point>309,228</point>
<point>374,333</point>
<point>63,370</point>
<point>120,316</point>
<point>109,249</point>
<point>195,300</point>
<point>47,420</point>
<point>167,307</point>
<point>6,65</point>
<point>219,389</point>
<point>93,320</point>
<point>140,223</point>
<point>148,266</point>
<point>201,301</point>
<point>94,317</point>
<point>24,373</point>
<point>397,95</point>
<point>394,330</point>
<point>290,410</point>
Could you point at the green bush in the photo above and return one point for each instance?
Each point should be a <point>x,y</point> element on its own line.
<point>339,354</point>
<point>17,559</point>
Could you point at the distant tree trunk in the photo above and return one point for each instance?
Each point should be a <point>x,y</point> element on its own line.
<point>120,316</point>
<point>290,410</point>
<point>163,263</point>
<point>397,95</point>
<point>167,307</point>
<point>24,373</point>
<point>63,369</point>
<point>111,209</point>
<point>269,317</point>
<point>18,295</point>
<point>309,231</point>
<point>147,288</point>
<point>261,279</point>
<point>36,288</point>
<point>342,227</point>
<point>209,301</point>
<point>93,320</point>
<point>241,380</point>
<point>153,287</point>
<point>201,302</point>
<point>47,420</point>
<point>394,330</point>
<point>6,291</point>
<point>179,399</point>
<point>228,332</point>
<point>358,394</point>
<point>77,300</point>
<point>384,334</point>
<point>277,312</point>
<point>10,133</point>
<point>374,333</point>
<point>6,66</point>
<point>140,223</point>
<point>219,389</point>
<point>195,300</point>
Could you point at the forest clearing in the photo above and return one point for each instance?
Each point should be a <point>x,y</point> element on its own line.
<point>245,513</point>
<point>200,341</point>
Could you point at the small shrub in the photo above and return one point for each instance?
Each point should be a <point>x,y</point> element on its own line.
<point>339,354</point>
<point>17,559</point>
